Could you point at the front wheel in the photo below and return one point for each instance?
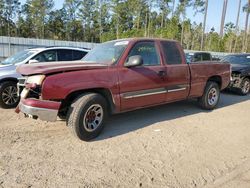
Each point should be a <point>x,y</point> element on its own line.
<point>8,95</point>
<point>86,116</point>
<point>244,86</point>
<point>210,97</point>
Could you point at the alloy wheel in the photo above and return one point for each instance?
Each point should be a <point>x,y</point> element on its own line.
<point>9,95</point>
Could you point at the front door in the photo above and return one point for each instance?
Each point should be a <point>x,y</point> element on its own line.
<point>143,85</point>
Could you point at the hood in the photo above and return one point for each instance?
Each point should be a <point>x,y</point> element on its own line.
<point>2,65</point>
<point>55,67</point>
<point>7,68</point>
<point>240,67</point>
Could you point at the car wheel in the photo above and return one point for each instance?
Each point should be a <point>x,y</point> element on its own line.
<point>87,115</point>
<point>210,97</point>
<point>244,86</point>
<point>8,95</point>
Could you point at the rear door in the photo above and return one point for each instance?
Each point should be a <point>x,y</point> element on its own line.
<point>143,85</point>
<point>177,71</point>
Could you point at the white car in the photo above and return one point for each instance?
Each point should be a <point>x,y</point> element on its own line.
<point>9,77</point>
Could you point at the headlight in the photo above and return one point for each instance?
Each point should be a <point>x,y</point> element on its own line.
<point>37,79</point>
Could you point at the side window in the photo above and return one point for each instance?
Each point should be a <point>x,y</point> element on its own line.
<point>47,56</point>
<point>197,57</point>
<point>64,55</point>
<point>206,57</point>
<point>77,55</point>
<point>148,53</point>
<point>171,53</point>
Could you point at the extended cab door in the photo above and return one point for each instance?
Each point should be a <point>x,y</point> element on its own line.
<point>177,71</point>
<point>143,85</point>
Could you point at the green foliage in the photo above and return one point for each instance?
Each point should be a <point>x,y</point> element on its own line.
<point>37,12</point>
<point>104,20</point>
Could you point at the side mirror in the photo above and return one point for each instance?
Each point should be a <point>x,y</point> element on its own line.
<point>33,61</point>
<point>134,61</point>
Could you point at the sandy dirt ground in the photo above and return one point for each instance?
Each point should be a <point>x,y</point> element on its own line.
<point>176,145</point>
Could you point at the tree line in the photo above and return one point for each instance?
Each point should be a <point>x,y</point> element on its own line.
<point>103,20</point>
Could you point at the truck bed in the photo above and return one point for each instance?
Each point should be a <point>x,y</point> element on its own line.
<point>201,72</point>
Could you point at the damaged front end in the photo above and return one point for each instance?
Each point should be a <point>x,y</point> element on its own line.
<point>31,102</point>
<point>236,80</point>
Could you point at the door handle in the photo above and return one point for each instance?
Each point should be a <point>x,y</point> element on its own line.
<point>162,73</point>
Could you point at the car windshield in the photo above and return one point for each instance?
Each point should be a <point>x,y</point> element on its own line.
<point>108,52</point>
<point>18,57</point>
<point>237,59</point>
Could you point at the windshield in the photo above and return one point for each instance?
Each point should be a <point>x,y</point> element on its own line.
<point>108,52</point>
<point>18,57</point>
<point>237,59</point>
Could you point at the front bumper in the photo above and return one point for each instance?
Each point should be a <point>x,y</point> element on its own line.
<point>41,109</point>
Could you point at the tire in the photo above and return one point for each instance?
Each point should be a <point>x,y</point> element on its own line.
<point>244,87</point>
<point>210,97</point>
<point>87,115</point>
<point>8,95</point>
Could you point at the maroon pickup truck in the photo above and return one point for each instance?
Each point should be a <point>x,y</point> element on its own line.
<point>115,77</point>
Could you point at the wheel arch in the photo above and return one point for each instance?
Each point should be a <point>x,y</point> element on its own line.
<point>217,79</point>
<point>248,76</point>
<point>8,79</point>
<point>106,93</point>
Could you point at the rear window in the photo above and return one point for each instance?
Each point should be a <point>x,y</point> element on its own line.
<point>171,53</point>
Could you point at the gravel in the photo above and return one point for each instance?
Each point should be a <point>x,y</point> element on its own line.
<point>174,145</point>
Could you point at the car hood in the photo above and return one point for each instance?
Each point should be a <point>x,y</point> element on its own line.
<point>7,67</point>
<point>55,67</point>
<point>240,68</point>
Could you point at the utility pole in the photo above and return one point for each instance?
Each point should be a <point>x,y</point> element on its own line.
<point>204,25</point>
<point>173,8</point>
<point>223,16</point>
<point>246,29</point>
<point>237,27</point>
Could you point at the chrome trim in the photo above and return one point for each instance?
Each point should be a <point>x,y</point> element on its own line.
<point>179,89</point>
<point>21,83</point>
<point>145,94</point>
<point>42,113</point>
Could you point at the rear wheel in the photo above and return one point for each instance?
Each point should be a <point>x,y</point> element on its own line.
<point>210,97</point>
<point>244,86</point>
<point>8,95</point>
<point>86,116</point>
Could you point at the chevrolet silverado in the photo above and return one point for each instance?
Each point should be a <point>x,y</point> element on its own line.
<point>115,77</point>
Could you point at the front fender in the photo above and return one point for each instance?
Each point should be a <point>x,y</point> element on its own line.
<point>59,86</point>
